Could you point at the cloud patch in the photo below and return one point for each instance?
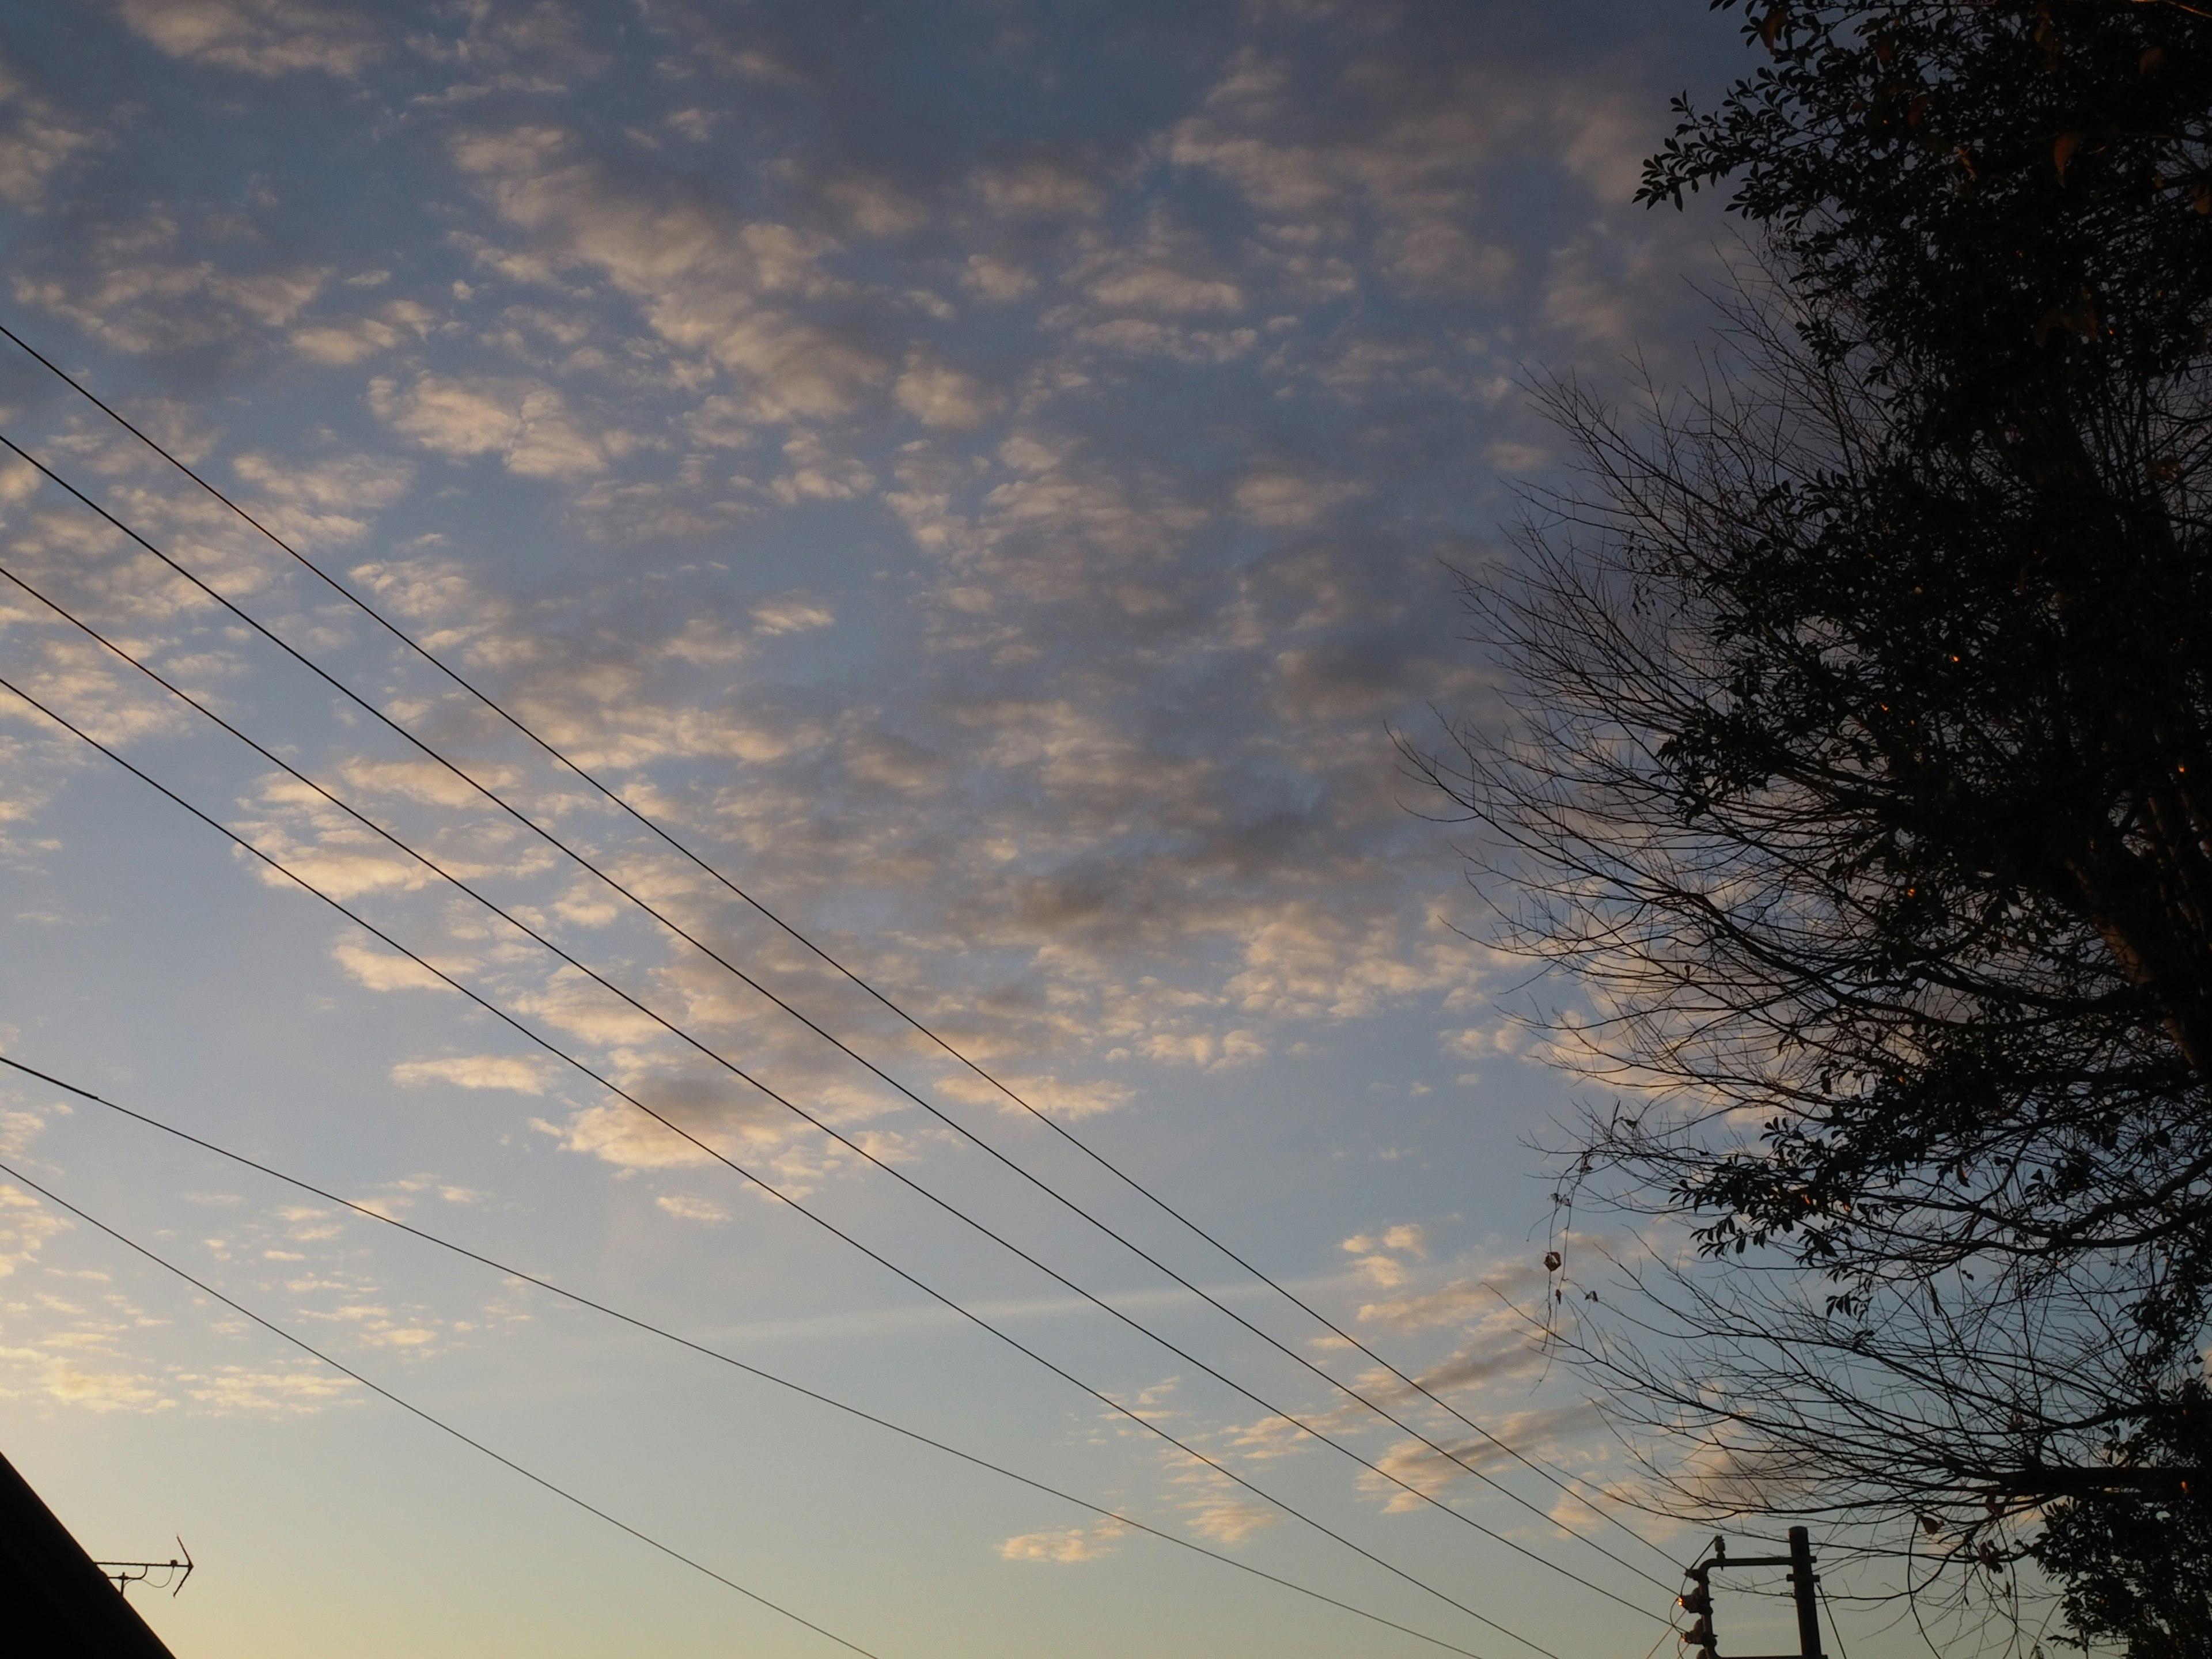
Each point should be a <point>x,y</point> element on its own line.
<point>527,424</point>
<point>504,1072</point>
<point>267,37</point>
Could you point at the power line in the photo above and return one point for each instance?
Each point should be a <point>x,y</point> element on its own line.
<point>766,1186</point>
<point>716,1354</point>
<point>1565,1484</point>
<point>344,1370</point>
<point>739,1073</point>
<point>736,1070</point>
<point>1348,1390</point>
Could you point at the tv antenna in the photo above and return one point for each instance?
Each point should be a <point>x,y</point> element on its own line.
<point>127,1573</point>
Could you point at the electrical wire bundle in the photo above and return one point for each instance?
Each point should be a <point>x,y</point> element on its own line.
<point>1366,1404</point>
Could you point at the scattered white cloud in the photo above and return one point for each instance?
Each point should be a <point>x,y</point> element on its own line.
<point>623,1136</point>
<point>259,37</point>
<point>1409,1237</point>
<point>792,613</point>
<point>323,503</point>
<point>1291,501</point>
<point>940,397</point>
<point>815,471</point>
<point>341,341</point>
<point>1228,1520</point>
<point>382,970</point>
<point>527,424</point>
<point>507,1071</point>
<point>138,285</point>
<point>70,1382</point>
<point>705,279</point>
<point>1094,772</point>
<point>26,1225</point>
<point>687,1207</point>
<point>234,1389</point>
<point>1041,189</point>
<point>995,280</point>
<point>1066,1546</point>
<point>37,139</point>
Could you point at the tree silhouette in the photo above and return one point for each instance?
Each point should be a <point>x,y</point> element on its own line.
<point>1861,775</point>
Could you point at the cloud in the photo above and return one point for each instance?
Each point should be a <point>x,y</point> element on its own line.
<point>1291,501</point>
<point>1066,1546</point>
<point>568,1001</point>
<point>1041,188</point>
<point>818,472</point>
<point>68,1381</point>
<point>1504,1037</point>
<point>1386,1271</point>
<point>995,280</point>
<point>1407,156</point>
<point>26,1225</point>
<point>705,279</point>
<point>1305,958</point>
<point>887,759</point>
<point>37,139</point>
<point>1146,336</point>
<point>319,504</point>
<point>257,37</point>
<point>526,423</point>
<point>686,1206</point>
<point>1448,1304</point>
<point>341,341</point>
<point>1507,1356</point>
<point>1371,1256</point>
<point>622,1135</point>
<point>269,1394</point>
<point>940,397</point>
<point>1548,1432</point>
<point>508,1072</point>
<point>792,613</point>
<point>1093,772</point>
<point>143,285</point>
<point>381,970</point>
<point>427,781</point>
<point>342,862</point>
<point>1489,1299</point>
<point>1229,1521</point>
<point>1167,270</point>
<point>17,1130</point>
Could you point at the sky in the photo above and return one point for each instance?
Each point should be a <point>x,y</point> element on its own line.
<point>987,477</point>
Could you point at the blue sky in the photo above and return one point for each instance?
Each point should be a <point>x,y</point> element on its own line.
<point>984,475</point>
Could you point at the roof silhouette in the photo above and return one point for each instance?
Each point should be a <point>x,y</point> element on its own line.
<point>53,1601</point>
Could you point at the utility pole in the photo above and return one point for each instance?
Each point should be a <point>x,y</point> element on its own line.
<point>1698,1599</point>
<point>1802,1582</point>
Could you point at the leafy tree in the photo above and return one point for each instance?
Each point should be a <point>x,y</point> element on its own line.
<point>1862,776</point>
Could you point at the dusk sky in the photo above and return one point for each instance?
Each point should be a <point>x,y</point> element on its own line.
<point>984,476</point>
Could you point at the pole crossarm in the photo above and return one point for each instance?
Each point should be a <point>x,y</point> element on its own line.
<point>1698,1599</point>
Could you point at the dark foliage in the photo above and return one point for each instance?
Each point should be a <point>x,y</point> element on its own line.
<point>1973,181</point>
<point>1865,777</point>
<point>2140,1563</point>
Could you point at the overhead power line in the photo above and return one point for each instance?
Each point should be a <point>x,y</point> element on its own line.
<point>586,1070</point>
<point>1564,1483</point>
<point>703,1049</point>
<point>440,1424</point>
<point>551,1288</point>
<point>708,1052</point>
